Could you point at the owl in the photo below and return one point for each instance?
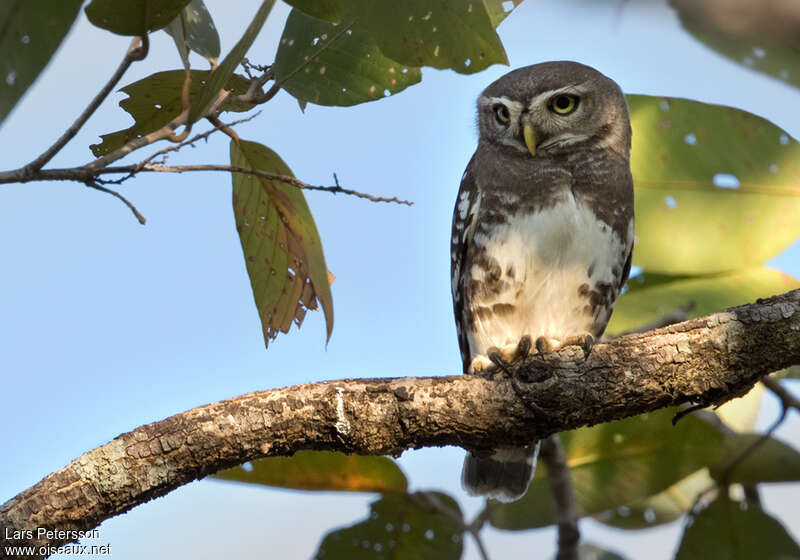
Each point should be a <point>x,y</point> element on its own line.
<point>542,231</point>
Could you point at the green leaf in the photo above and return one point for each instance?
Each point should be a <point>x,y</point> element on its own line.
<point>401,527</point>
<point>30,32</point>
<point>499,10</point>
<point>456,34</point>
<point>659,509</point>
<point>616,464</point>
<point>322,470</point>
<point>222,75</point>
<point>155,100</point>
<point>133,17</point>
<point>650,297</point>
<point>328,64</point>
<point>771,461</point>
<point>685,224</point>
<point>759,36</point>
<point>736,531</point>
<point>197,31</point>
<point>281,245</point>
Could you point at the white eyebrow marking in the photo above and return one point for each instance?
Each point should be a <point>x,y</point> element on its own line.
<point>513,106</point>
<point>576,89</point>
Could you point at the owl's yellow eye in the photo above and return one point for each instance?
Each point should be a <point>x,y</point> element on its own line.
<point>563,104</point>
<point>501,114</point>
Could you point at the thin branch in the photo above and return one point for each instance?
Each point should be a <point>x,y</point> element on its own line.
<point>136,51</point>
<point>788,400</point>
<point>726,471</point>
<point>554,458</point>
<point>194,139</point>
<point>708,359</point>
<point>335,189</point>
<point>133,209</point>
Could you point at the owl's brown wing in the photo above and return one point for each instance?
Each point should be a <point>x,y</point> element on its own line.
<point>464,216</point>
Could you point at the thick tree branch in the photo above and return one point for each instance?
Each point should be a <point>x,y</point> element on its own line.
<point>709,359</point>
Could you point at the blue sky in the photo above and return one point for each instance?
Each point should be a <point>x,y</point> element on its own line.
<point>110,325</point>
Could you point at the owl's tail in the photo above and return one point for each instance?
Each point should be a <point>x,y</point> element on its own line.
<point>504,475</point>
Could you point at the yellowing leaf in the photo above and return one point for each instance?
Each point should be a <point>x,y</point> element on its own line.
<point>281,246</point>
<point>717,188</point>
<point>322,470</point>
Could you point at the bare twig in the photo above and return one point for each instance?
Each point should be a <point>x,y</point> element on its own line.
<point>335,189</point>
<point>555,459</point>
<point>133,209</point>
<point>136,51</point>
<point>726,471</point>
<point>194,139</point>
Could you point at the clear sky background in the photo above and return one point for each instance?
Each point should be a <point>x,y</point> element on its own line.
<point>109,325</point>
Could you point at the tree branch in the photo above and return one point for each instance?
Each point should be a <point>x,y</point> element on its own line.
<point>709,359</point>
<point>136,51</point>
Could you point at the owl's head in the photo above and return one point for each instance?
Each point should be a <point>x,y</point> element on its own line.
<point>555,107</point>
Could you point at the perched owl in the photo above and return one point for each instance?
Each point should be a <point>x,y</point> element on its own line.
<point>542,230</point>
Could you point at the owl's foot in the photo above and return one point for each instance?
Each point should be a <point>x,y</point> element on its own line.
<point>585,341</point>
<point>547,345</point>
<point>523,348</point>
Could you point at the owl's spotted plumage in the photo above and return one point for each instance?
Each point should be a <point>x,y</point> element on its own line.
<point>542,228</point>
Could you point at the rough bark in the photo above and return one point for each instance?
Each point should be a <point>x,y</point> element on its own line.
<point>708,360</point>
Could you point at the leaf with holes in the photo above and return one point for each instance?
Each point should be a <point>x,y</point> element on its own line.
<point>457,34</point>
<point>282,249</point>
<point>133,17</point>
<point>616,464</point>
<point>736,531</point>
<point>401,527</point>
<point>651,296</point>
<point>761,36</point>
<point>717,188</point>
<point>30,33</point>
<point>197,31</point>
<point>322,470</point>
<point>328,64</point>
<point>499,10</point>
<point>155,100</point>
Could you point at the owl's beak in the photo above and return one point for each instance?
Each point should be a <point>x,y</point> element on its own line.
<point>530,137</point>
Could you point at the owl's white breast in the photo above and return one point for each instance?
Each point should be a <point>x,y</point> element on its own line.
<point>546,257</point>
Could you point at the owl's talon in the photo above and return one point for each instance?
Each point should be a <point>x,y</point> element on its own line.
<point>585,341</point>
<point>524,347</point>
<point>544,345</point>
